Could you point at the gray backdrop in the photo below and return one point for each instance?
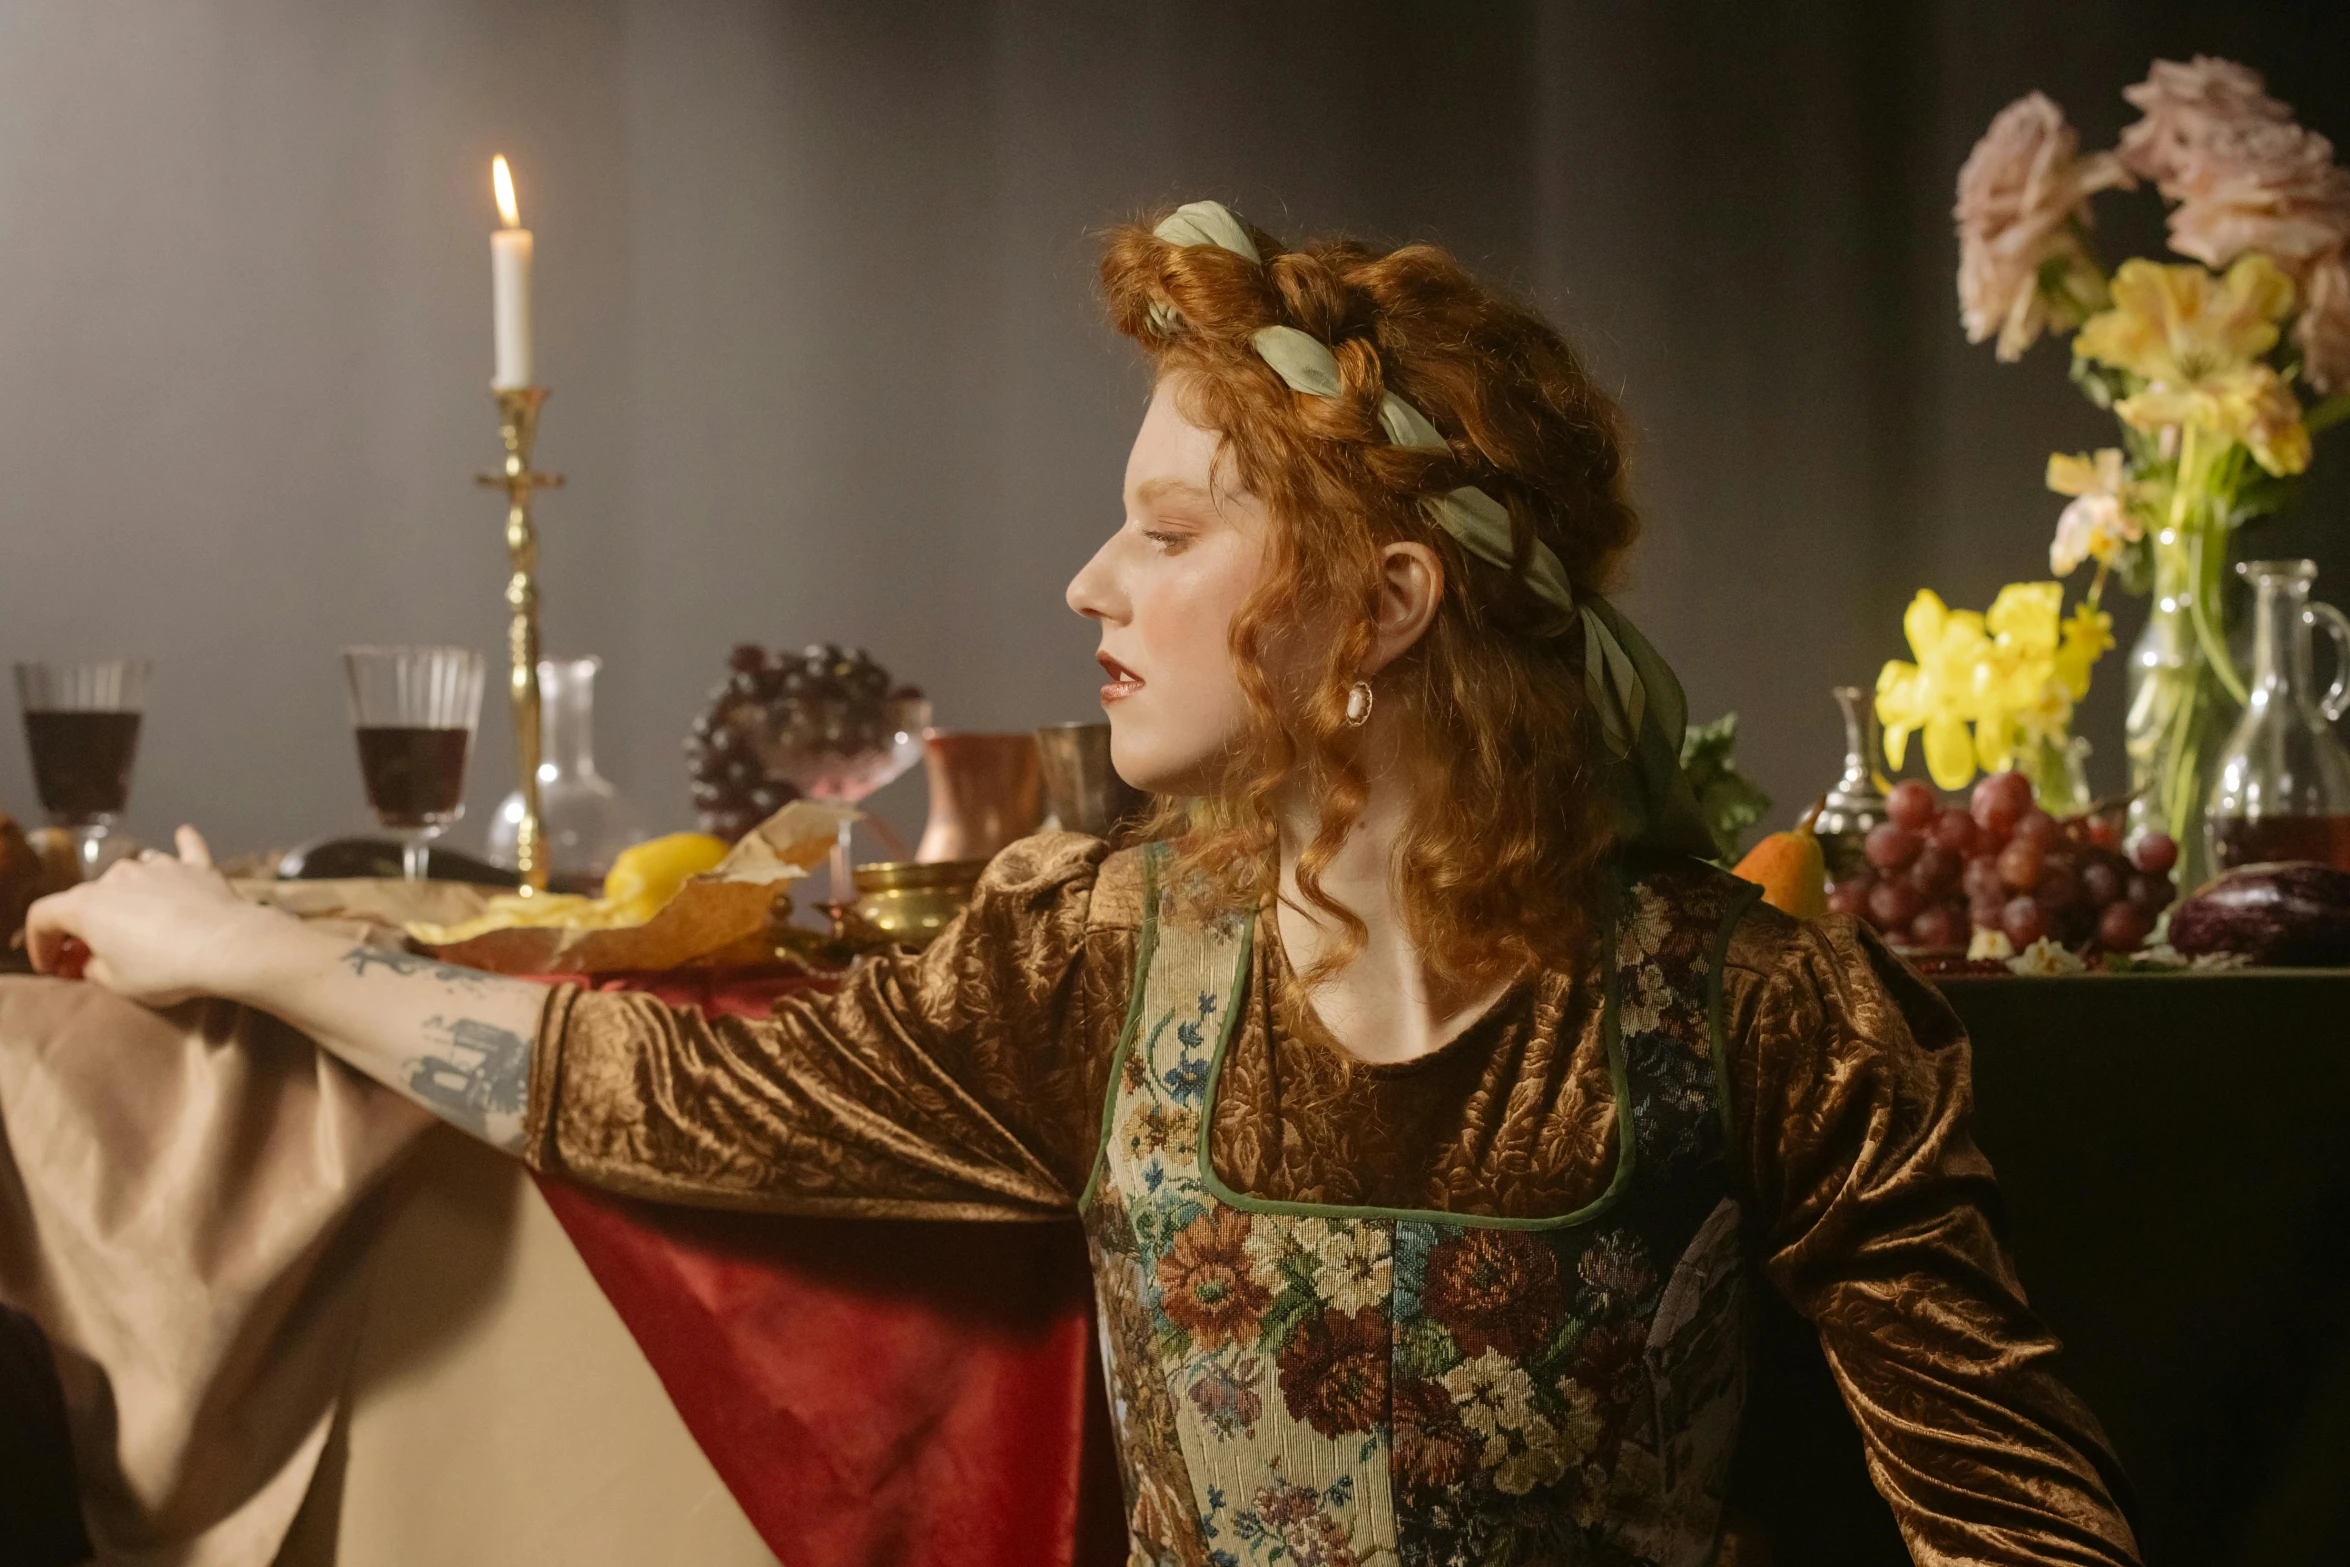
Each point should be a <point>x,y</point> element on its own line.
<point>815,298</point>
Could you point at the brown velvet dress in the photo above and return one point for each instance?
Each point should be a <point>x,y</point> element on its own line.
<point>968,1082</point>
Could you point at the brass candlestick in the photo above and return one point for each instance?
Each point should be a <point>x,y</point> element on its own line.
<point>518,427</point>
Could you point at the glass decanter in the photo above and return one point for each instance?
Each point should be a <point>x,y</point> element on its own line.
<point>2283,789</point>
<point>583,821</point>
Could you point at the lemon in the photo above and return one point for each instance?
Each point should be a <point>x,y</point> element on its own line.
<point>647,875</point>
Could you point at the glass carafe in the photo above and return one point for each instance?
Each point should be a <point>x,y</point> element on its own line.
<point>583,821</point>
<point>2283,789</point>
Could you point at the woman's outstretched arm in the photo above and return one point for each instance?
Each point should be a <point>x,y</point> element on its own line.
<point>160,931</point>
<point>964,1081</point>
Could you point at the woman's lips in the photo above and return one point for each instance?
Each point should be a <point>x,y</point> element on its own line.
<point>1124,682</point>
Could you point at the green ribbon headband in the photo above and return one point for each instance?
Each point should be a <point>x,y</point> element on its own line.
<point>1612,674</point>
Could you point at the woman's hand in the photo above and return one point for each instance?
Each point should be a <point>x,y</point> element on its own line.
<point>160,930</point>
<point>155,929</point>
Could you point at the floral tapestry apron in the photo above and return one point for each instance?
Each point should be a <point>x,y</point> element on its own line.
<point>1325,1387</point>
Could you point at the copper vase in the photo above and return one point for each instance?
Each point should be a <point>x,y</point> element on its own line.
<point>985,792</point>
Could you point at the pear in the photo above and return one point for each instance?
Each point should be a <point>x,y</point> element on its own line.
<point>1790,868</point>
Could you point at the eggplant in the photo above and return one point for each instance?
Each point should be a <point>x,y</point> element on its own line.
<point>2293,915</point>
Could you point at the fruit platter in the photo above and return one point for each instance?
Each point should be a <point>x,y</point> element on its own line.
<point>1997,875</point>
<point>1993,884</point>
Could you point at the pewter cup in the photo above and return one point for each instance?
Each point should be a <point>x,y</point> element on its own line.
<point>1086,793</point>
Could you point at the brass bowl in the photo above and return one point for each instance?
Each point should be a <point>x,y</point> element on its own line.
<point>911,901</point>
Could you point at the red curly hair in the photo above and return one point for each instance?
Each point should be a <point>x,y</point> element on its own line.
<point>1499,868</point>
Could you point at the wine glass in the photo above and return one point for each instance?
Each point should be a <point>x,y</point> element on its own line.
<point>835,742</point>
<point>415,709</point>
<point>81,724</point>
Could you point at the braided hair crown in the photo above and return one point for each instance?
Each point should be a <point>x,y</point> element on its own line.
<point>1329,352</point>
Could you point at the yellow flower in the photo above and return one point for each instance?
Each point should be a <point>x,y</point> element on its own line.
<point>2024,616</point>
<point>2252,405</point>
<point>1985,686</point>
<point>2099,521</point>
<point>2088,633</point>
<point>2178,326</point>
<point>2015,693</point>
<point>2196,338</point>
<point>1935,695</point>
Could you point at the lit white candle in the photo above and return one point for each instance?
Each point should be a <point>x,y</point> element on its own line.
<point>510,284</point>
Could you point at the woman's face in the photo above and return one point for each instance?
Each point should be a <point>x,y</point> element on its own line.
<point>1164,589</point>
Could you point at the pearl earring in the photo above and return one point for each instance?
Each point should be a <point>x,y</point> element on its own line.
<point>1358,704</point>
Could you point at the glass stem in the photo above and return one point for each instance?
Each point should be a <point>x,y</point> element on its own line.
<point>415,855</point>
<point>844,874</point>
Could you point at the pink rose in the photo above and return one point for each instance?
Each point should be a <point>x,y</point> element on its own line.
<point>2259,186</point>
<point>2023,194</point>
<point>2323,332</point>
<point>2183,103</point>
<point>2245,177</point>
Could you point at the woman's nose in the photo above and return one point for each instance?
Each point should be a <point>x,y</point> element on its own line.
<point>1092,592</point>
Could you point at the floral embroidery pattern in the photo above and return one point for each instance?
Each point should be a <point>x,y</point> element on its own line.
<point>1345,1389</point>
<point>1295,1524</point>
<point>1675,1095</point>
<point>1494,1290</point>
<point>1157,1495</point>
<point>1152,1128</point>
<point>1432,1448</point>
<point>1205,1287</point>
<point>1615,1274</point>
<point>1225,1394</point>
<point>1334,1370</point>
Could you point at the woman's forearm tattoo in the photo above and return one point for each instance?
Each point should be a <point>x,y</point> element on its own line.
<point>475,1078</point>
<point>471,1073</point>
<point>362,959</point>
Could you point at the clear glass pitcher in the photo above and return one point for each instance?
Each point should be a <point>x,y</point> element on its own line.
<point>2283,790</point>
<point>583,821</point>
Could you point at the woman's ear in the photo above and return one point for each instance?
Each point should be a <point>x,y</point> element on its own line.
<point>1411,585</point>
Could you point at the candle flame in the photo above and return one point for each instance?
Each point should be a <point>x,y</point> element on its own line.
<point>503,179</point>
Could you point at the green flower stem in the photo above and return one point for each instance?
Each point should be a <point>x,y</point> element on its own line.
<point>2182,761</point>
<point>2207,566</point>
<point>2330,412</point>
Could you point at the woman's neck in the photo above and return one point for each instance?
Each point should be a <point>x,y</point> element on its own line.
<point>1385,1004</point>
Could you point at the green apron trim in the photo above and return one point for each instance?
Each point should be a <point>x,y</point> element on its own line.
<point>1626,1137</point>
<point>1145,951</point>
<point>1717,1006</point>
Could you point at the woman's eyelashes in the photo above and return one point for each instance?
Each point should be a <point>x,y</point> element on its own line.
<point>1169,540</point>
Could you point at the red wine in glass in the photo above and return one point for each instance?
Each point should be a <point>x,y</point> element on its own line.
<point>81,724</point>
<point>415,776</point>
<point>82,764</point>
<point>413,709</point>
<point>2263,840</point>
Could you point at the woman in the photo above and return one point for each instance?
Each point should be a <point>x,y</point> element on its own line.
<point>1425,1102</point>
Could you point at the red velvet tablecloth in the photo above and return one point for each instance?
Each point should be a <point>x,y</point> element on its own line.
<point>871,1391</point>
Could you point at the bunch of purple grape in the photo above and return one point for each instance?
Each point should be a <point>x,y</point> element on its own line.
<point>733,792</point>
<point>2001,863</point>
<point>834,703</point>
<point>826,708</point>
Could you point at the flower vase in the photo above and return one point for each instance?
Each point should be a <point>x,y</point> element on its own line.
<point>2180,709</point>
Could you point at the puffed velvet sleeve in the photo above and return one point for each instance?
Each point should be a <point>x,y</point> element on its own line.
<point>1851,1110</point>
<point>961,1082</point>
